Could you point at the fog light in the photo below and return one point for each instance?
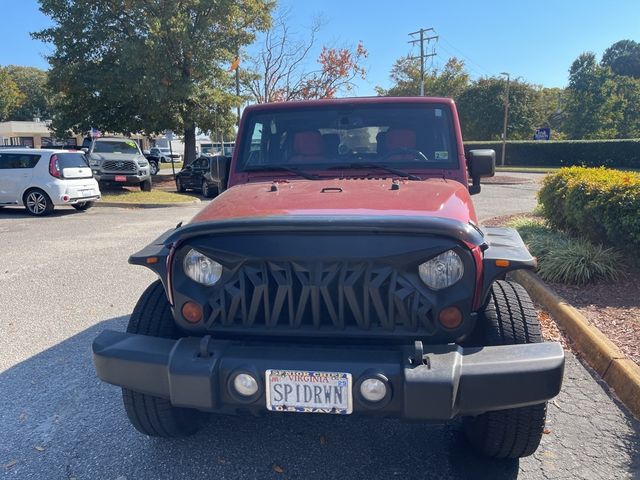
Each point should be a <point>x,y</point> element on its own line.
<point>245,384</point>
<point>450,317</point>
<point>192,312</point>
<point>373,389</point>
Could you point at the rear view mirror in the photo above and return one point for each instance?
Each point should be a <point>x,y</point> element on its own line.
<point>482,163</point>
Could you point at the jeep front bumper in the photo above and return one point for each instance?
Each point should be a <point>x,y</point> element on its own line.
<point>427,382</point>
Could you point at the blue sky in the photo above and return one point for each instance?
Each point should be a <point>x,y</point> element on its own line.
<point>533,40</point>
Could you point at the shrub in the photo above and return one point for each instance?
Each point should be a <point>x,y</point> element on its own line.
<point>599,204</point>
<point>566,260</point>
<point>588,153</point>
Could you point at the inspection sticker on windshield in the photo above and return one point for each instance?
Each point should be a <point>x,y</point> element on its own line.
<point>309,392</point>
<point>442,155</point>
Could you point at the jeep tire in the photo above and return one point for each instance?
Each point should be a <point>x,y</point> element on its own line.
<point>148,414</point>
<point>509,318</point>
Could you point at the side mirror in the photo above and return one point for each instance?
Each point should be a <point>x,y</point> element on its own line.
<point>85,150</point>
<point>482,163</point>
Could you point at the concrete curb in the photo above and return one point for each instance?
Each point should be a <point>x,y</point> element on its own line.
<point>195,201</point>
<point>620,372</point>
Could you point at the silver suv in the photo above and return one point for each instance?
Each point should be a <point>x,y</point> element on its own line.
<point>119,161</point>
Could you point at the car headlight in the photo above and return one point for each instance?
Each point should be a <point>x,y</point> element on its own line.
<point>94,163</point>
<point>442,271</point>
<point>201,269</point>
<point>143,163</point>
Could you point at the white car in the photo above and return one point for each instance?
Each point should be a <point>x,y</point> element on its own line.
<point>165,155</point>
<point>40,179</point>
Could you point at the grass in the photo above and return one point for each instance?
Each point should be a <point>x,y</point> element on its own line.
<point>564,259</point>
<point>154,196</point>
<point>167,166</point>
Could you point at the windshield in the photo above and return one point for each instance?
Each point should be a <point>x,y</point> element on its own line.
<point>411,137</point>
<point>124,146</point>
<point>71,160</point>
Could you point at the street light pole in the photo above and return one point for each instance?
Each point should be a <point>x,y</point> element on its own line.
<point>506,115</point>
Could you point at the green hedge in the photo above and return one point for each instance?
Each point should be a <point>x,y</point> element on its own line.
<point>600,204</point>
<point>565,153</point>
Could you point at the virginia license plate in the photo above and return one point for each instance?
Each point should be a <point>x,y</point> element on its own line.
<point>121,178</point>
<point>309,392</point>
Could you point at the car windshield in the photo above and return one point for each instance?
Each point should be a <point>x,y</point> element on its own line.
<point>124,146</point>
<point>411,137</point>
<point>71,160</point>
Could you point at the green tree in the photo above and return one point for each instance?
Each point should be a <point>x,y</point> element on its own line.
<point>10,95</point>
<point>623,58</point>
<point>481,109</point>
<point>32,83</point>
<point>592,107</point>
<point>451,81</point>
<point>147,65</point>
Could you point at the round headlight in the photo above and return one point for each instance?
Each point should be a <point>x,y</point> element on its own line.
<point>442,271</point>
<point>201,269</point>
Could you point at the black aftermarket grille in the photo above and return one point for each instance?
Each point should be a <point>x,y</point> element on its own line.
<point>320,295</point>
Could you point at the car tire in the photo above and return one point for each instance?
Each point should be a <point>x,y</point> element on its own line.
<point>82,206</point>
<point>151,415</point>
<point>509,317</point>
<point>153,168</point>
<point>179,186</point>
<point>146,186</point>
<point>37,203</point>
<point>206,189</point>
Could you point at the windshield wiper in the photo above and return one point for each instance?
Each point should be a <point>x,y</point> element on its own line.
<point>268,168</point>
<point>381,166</point>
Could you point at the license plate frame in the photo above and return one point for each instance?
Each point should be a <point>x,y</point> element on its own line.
<point>298,377</point>
<point>121,178</point>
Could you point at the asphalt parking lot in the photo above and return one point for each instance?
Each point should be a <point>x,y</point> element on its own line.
<point>65,278</point>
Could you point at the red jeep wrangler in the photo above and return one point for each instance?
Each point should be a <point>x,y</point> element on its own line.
<point>344,272</point>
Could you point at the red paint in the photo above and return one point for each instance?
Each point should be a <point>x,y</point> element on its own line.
<point>428,198</point>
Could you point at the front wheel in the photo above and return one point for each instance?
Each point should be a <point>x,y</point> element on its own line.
<point>145,186</point>
<point>206,189</point>
<point>82,206</point>
<point>179,186</point>
<point>151,415</point>
<point>153,168</point>
<point>509,318</point>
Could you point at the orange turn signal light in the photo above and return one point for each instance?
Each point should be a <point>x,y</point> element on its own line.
<point>450,317</point>
<point>502,263</point>
<point>192,312</point>
<point>152,260</point>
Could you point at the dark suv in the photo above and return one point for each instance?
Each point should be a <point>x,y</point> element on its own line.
<point>342,272</point>
<point>208,174</point>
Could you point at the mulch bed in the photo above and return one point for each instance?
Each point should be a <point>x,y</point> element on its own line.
<point>507,180</point>
<point>612,308</point>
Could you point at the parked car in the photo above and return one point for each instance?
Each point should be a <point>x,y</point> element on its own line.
<point>119,161</point>
<point>343,271</point>
<point>154,162</point>
<point>165,154</point>
<point>41,179</point>
<point>207,174</point>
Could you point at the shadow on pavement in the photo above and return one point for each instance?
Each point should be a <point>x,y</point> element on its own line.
<point>20,212</point>
<point>59,421</point>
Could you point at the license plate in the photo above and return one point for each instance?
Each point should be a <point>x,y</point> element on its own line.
<point>121,178</point>
<point>309,392</point>
<point>86,193</point>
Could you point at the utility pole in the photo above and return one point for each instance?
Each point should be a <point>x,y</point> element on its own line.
<point>506,115</point>
<point>421,39</point>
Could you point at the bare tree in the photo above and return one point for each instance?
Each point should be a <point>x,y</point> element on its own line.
<point>281,70</point>
<point>277,71</point>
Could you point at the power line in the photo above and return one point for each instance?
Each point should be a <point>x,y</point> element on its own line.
<point>463,55</point>
<point>421,40</point>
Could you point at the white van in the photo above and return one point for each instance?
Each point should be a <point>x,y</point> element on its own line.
<point>40,179</point>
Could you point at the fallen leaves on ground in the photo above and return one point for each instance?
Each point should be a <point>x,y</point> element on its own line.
<point>39,448</point>
<point>10,464</point>
<point>277,468</point>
